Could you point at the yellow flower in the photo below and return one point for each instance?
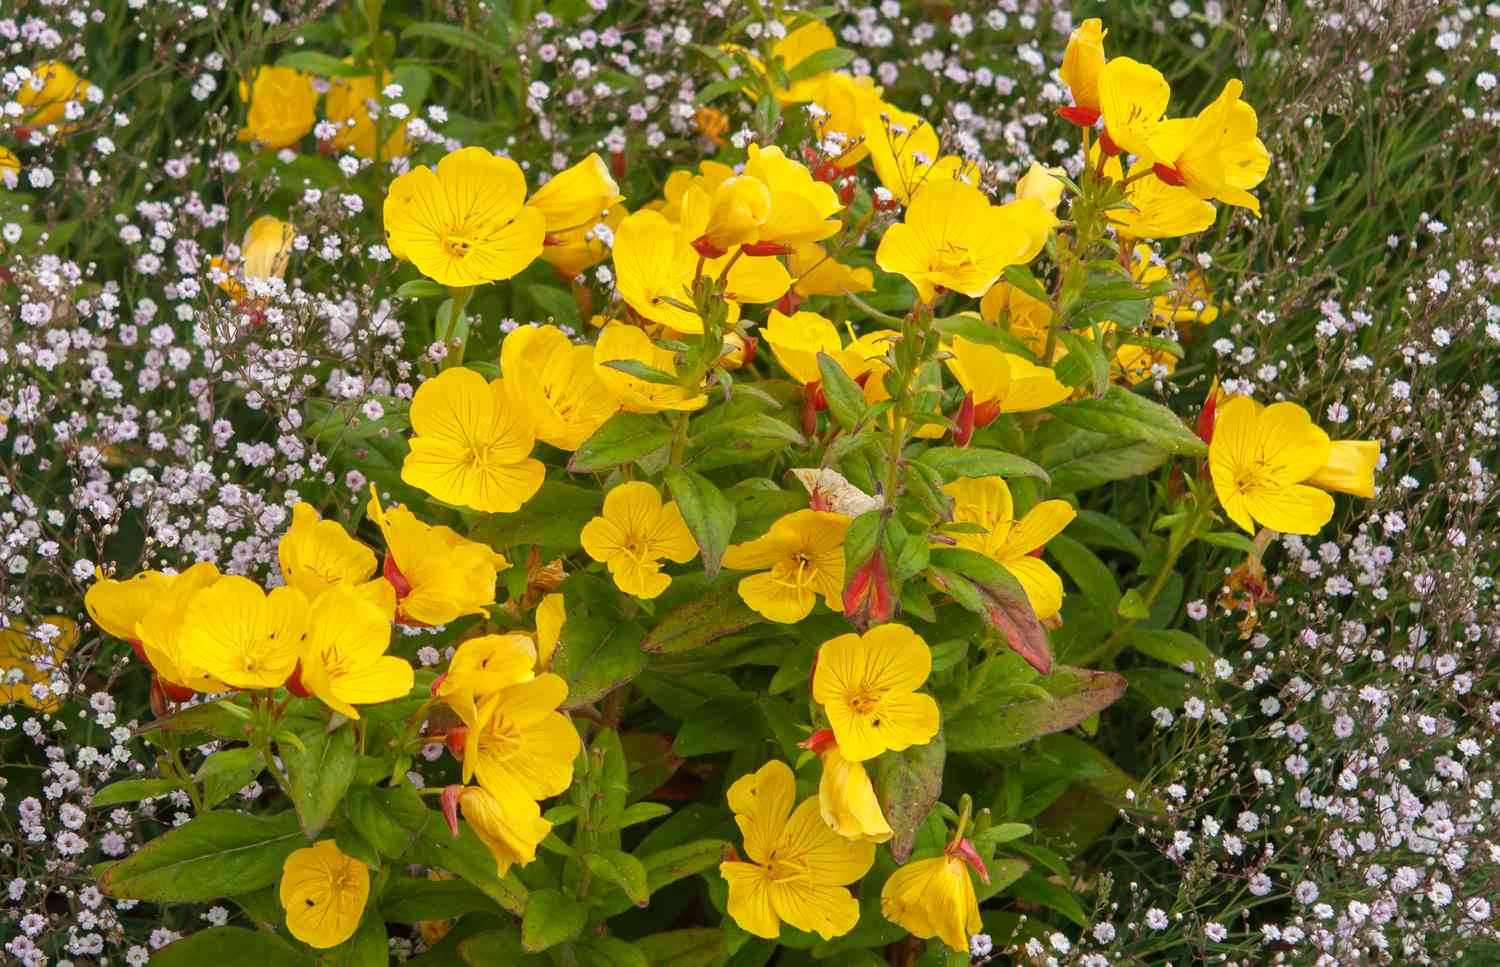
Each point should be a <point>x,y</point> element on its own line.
<point>746,279</point>
<point>847,102</point>
<point>467,223</point>
<point>44,97</point>
<point>480,668</point>
<point>10,167</point>
<point>736,211</point>
<point>953,238</point>
<point>793,49</point>
<point>1157,209</point>
<point>846,797</point>
<point>1082,64</point>
<point>349,104</point>
<point>282,107</point>
<point>1133,100</point>
<point>802,209</point>
<point>324,893</point>
<point>574,250</point>
<point>712,123</point>
<point>620,341</point>
<point>577,197</point>
<point>1213,155</point>
<point>523,746</point>
<point>800,558</point>
<point>264,253</point>
<point>798,868</point>
<point>550,617</point>
<point>904,150</point>
<point>243,636</point>
<point>510,826</point>
<point>343,657</point>
<point>710,175</point>
<point>316,555</point>
<point>161,632</point>
<point>633,536</point>
<point>867,685</point>
<point>1029,318</point>
<point>116,606</point>
<point>816,273</point>
<point>797,339</point>
<point>933,898</point>
<point>437,575</point>
<point>34,652</point>
<point>1043,183</point>
<point>1002,382</point>
<point>651,265</point>
<point>473,443</point>
<point>1269,463</point>
<point>986,501</point>
<point>555,379</point>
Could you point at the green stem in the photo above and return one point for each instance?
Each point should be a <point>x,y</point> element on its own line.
<point>457,329</point>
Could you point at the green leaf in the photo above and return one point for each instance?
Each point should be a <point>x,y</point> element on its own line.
<point>1176,648</point>
<point>320,64</point>
<point>1035,888</point>
<point>411,899</point>
<point>1234,540</point>
<point>724,85</point>
<point>641,371</point>
<point>1020,277</point>
<point>846,401</point>
<point>706,618</point>
<point>1085,460</point>
<point>609,952</point>
<point>457,37</point>
<point>466,857</point>
<point>228,771</point>
<point>369,946</point>
<point>1093,576</point>
<point>828,59</point>
<point>1102,530</point>
<point>223,719</point>
<point>133,790</point>
<point>1130,416</point>
<point>558,304</point>
<point>641,812</point>
<point>230,947</point>
<point>986,588</point>
<point>741,440</point>
<point>214,855</point>
<point>707,512</point>
<point>1133,606</point>
<point>683,948</point>
<point>909,783</point>
<point>1007,719</point>
<point>955,462</point>
<point>731,723</point>
<point>679,862</point>
<point>623,438</point>
<point>320,774</point>
<point>493,948</point>
<point>550,919</point>
<point>621,869</point>
<point>553,517</point>
<point>596,656</point>
<point>1001,833</point>
<point>391,819</point>
<point>1094,364</point>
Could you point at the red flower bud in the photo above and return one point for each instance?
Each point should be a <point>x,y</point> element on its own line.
<point>846,192</point>
<point>761,248</point>
<point>393,574</point>
<point>867,598</point>
<point>436,684</point>
<point>788,303</point>
<point>551,240</point>
<point>617,164</point>
<point>706,248</point>
<point>986,412</point>
<point>965,421</point>
<point>1084,117</point>
<point>450,799</point>
<point>964,850</point>
<point>812,402</point>
<point>1206,416</point>
<point>819,742</point>
<point>457,738</point>
<point>1107,144</point>
<point>294,683</point>
<point>751,344</point>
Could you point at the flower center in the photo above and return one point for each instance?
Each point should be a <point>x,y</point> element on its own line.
<point>456,245</point>
<point>864,699</point>
<point>784,868</point>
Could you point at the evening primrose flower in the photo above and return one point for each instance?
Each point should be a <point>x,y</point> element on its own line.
<point>800,558</point>
<point>551,615</point>
<point>904,150</point>
<point>555,379</point>
<point>343,659</point>
<point>324,893</point>
<point>846,797</point>
<point>283,106</point>
<point>796,341</point>
<point>798,867</point>
<point>481,667</point>
<point>753,280</point>
<point>1083,62</point>
<point>953,238</point>
<point>466,223</point>
<point>1214,155</point>
<point>867,685</point>
<point>986,501</point>
<point>1133,101</point>
<point>1001,382</point>
<point>161,631</point>
<point>1043,183</point>
<point>522,745</point>
<point>634,534</point>
<point>1157,209</point>
<point>736,211</point>
<point>934,898</point>
<point>1028,318</point>
<point>116,605</point>
<point>652,265</point>
<point>437,574</point>
<point>472,444</point>
<point>44,97</point>
<point>802,208</point>
<point>241,635</point>
<point>34,653</point>
<point>511,827</point>
<point>574,250</point>
<point>793,49</point>
<point>264,253</point>
<point>636,395</point>
<point>847,102</point>
<point>349,104</point>
<point>576,197</point>
<point>316,554</point>
<point>1271,466</point>
<point>817,273</point>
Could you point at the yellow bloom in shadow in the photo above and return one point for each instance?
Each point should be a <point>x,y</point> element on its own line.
<point>324,893</point>
<point>555,379</point>
<point>799,559</point>
<point>636,532</point>
<point>348,105</point>
<point>799,869</point>
<point>116,605</point>
<point>44,97</point>
<point>466,223</point>
<point>933,898</point>
<point>1029,318</point>
<point>986,501</point>
<point>1271,466</point>
<point>904,150</point>
<point>282,107</point>
<point>344,663</point>
<point>652,265</point>
<point>437,574</point>
<point>29,654</point>
<point>846,797</point>
<point>847,101</point>
<point>574,250</point>
<point>264,254</point>
<point>1002,382</point>
<point>472,444</point>
<point>550,617</point>
<point>818,274</point>
<point>510,826</point>
<point>867,685</point>
<point>522,745</point>
<point>621,341</point>
<point>243,636</point>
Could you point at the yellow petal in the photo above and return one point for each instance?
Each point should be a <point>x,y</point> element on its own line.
<point>1350,468</point>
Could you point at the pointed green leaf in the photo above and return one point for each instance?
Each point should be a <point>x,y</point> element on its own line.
<point>707,512</point>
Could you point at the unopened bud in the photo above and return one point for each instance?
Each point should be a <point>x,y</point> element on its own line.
<point>451,796</point>
<point>457,738</point>
<point>964,421</point>
<point>867,599</point>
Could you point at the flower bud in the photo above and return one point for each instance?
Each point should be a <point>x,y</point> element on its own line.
<point>867,599</point>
